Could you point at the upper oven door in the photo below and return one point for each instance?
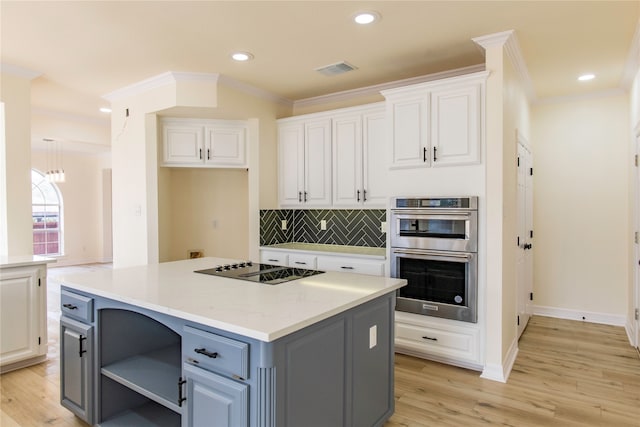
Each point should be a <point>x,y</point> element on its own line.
<point>437,230</point>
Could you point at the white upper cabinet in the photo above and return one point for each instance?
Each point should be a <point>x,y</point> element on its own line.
<point>437,123</point>
<point>304,157</point>
<point>359,158</point>
<point>455,124</point>
<point>204,143</point>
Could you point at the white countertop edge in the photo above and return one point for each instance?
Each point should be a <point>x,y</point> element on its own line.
<point>23,260</point>
<point>331,250</point>
<point>229,327</point>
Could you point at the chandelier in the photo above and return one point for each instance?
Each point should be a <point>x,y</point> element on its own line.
<point>55,168</point>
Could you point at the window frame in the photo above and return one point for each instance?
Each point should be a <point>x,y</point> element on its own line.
<point>44,208</point>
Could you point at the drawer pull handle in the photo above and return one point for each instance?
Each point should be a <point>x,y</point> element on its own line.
<point>347,268</point>
<point>301,263</point>
<point>70,306</point>
<point>181,398</point>
<point>273,260</point>
<point>204,352</point>
<point>430,339</point>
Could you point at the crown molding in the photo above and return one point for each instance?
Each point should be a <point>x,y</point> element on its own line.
<point>509,42</point>
<point>376,89</point>
<point>160,80</point>
<point>18,71</point>
<point>633,61</point>
<point>254,91</point>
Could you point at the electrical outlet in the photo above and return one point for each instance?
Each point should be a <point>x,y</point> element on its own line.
<point>383,226</point>
<point>323,224</point>
<point>284,224</point>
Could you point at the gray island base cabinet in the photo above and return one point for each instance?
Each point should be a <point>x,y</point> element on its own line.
<point>141,367</point>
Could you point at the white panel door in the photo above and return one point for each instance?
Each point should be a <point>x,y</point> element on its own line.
<point>290,164</point>
<point>347,160</point>
<point>524,259</point>
<point>455,125</point>
<point>374,154</point>
<point>317,163</point>
<point>183,144</point>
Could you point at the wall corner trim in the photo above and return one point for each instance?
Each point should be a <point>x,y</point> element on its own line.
<point>500,373</point>
<point>158,81</point>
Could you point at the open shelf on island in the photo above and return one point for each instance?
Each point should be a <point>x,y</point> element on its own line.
<point>154,374</point>
<point>148,415</point>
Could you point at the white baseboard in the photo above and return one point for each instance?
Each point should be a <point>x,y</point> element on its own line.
<point>501,373</point>
<point>631,333</point>
<point>585,316</point>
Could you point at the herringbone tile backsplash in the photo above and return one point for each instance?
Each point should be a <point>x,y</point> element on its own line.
<point>353,227</point>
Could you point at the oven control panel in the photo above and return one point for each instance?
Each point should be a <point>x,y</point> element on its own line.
<point>443,203</point>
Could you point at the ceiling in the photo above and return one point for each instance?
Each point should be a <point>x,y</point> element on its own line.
<point>86,49</point>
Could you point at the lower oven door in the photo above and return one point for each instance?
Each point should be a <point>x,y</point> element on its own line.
<point>439,283</point>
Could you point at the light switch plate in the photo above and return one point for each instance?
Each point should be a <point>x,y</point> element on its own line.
<point>284,224</point>
<point>383,226</point>
<point>323,224</point>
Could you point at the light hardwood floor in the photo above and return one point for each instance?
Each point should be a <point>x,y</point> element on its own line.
<point>567,373</point>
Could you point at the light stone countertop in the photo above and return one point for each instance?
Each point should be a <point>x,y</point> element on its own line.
<point>355,251</point>
<point>263,312</point>
<point>23,261</point>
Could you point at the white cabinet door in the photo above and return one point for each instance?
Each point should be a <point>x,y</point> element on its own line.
<point>317,163</point>
<point>455,125</point>
<point>348,188</point>
<point>374,155</point>
<point>226,146</point>
<point>408,120</point>
<point>183,144</point>
<point>290,164</point>
<point>22,314</point>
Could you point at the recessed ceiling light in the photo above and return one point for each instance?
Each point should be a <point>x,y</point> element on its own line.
<point>367,17</point>
<point>241,56</point>
<point>105,110</point>
<point>586,77</point>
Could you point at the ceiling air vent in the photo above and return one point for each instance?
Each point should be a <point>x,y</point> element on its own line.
<point>335,69</point>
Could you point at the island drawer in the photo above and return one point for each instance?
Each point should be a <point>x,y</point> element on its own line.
<point>215,352</point>
<point>76,306</point>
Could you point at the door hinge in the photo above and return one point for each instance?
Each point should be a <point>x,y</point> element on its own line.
<point>637,314</point>
<point>635,237</point>
<point>518,320</point>
<point>530,296</point>
<point>635,160</point>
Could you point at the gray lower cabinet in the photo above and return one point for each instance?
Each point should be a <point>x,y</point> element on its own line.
<point>131,366</point>
<point>76,375</point>
<point>215,400</point>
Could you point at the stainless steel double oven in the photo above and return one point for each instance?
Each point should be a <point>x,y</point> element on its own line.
<point>434,246</point>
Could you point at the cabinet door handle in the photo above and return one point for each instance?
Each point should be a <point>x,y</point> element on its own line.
<point>424,154</point>
<point>181,398</point>
<point>305,197</point>
<point>204,352</point>
<point>364,195</point>
<point>430,339</point>
<point>80,350</point>
<point>200,154</point>
<point>435,157</point>
<point>300,196</point>
<point>208,154</point>
<point>70,306</point>
<point>358,196</point>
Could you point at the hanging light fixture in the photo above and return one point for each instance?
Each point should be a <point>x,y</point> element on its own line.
<point>55,167</point>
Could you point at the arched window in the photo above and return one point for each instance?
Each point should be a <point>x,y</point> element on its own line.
<point>46,212</point>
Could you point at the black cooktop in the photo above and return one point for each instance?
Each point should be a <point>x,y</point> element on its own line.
<point>261,273</point>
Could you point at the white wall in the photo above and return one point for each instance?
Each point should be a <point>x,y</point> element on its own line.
<point>86,225</point>
<point>581,206</point>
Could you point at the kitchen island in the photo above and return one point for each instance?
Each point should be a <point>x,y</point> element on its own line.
<point>162,345</point>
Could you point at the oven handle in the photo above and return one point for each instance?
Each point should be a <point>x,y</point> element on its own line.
<point>439,215</point>
<point>439,255</point>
